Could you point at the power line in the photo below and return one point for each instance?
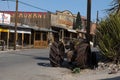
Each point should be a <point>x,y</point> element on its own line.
<point>29,5</point>
<point>33,6</point>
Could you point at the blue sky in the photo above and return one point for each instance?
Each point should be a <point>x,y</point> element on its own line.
<point>52,5</point>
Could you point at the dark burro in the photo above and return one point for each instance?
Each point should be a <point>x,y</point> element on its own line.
<point>57,52</point>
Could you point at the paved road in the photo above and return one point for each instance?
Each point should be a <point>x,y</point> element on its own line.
<point>21,64</point>
<point>23,57</point>
<point>33,64</point>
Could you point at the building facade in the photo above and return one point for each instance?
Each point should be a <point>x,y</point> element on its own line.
<point>38,28</point>
<point>37,22</point>
<point>62,22</point>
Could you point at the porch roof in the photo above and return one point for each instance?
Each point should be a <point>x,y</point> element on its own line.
<point>26,27</point>
<point>9,26</point>
<point>68,29</point>
<point>43,29</point>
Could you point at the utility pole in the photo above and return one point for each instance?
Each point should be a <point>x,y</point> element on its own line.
<point>95,43</point>
<point>97,18</point>
<point>88,32</point>
<point>16,19</point>
<point>88,20</point>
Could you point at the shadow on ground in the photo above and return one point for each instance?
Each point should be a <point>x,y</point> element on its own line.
<point>114,78</point>
<point>44,61</point>
<point>64,65</point>
<point>44,64</point>
<point>42,58</point>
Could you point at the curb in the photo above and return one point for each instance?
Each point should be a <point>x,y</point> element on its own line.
<point>5,51</point>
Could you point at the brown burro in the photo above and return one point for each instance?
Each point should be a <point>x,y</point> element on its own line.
<point>82,51</point>
<point>79,55</point>
<point>56,55</point>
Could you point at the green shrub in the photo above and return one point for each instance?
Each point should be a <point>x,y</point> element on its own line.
<point>108,36</point>
<point>76,70</point>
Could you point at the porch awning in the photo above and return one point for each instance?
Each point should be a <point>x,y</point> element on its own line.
<point>43,29</point>
<point>4,30</point>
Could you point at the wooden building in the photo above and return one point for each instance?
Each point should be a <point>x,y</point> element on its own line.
<point>62,22</point>
<point>41,26</point>
<point>7,35</point>
<point>37,22</point>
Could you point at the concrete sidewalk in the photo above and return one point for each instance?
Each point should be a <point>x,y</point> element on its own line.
<point>9,50</point>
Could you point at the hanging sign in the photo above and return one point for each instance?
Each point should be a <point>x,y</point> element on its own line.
<point>4,18</point>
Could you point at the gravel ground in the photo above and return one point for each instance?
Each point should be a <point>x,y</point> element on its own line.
<point>56,73</point>
<point>86,74</point>
<point>65,74</point>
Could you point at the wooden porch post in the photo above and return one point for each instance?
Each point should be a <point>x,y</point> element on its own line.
<point>34,38</point>
<point>62,35</point>
<point>22,40</point>
<point>17,38</point>
<point>8,39</point>
<point>41,45</point>
<point>41,36</point>
<point>0,35</point>
<point>48,37</point>
<point>30,40</point>
<point>70,35</point>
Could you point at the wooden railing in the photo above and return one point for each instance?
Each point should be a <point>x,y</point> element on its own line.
<point>40,44</point>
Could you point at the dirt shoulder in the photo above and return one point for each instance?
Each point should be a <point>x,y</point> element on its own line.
<point>86,74</point>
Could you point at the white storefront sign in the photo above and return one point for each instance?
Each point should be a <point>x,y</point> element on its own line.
<point>5,18</point>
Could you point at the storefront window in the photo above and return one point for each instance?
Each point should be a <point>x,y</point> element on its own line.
<point>37,36</point>
<point>44,36</point>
